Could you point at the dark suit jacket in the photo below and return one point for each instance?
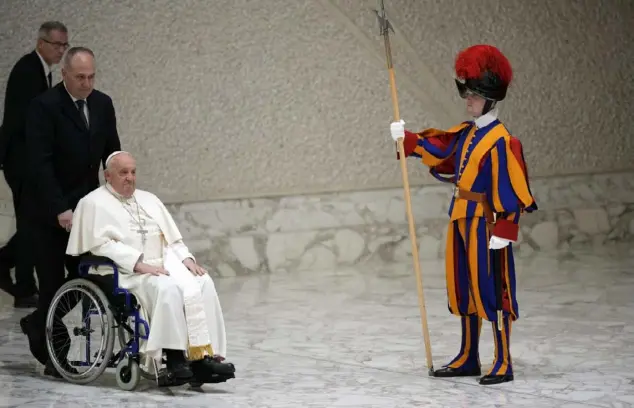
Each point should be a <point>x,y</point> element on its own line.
<point>26,81</point>
<point>63,156</point>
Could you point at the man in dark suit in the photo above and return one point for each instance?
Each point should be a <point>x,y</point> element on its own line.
<point>30,77</point>
<point>70,130</point>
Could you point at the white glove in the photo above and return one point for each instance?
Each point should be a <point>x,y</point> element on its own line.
<point>498,243</point>
<point>397,129</point>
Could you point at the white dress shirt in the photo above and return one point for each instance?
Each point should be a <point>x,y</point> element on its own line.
<point>85,104</point>
<point>47,69</point>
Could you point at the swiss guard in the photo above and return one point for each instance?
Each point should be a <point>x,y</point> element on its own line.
<point>486,167</point>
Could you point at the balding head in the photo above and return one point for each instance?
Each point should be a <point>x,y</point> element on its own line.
<point>78,72</point>
<point>121,173</point>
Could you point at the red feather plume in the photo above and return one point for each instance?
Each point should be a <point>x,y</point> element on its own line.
<point>472,62</point>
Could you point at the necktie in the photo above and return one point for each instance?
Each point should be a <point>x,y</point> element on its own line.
<point>80,105</point>
<point>50,80</point>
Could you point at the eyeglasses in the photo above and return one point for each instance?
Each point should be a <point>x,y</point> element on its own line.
<point>57,44</point>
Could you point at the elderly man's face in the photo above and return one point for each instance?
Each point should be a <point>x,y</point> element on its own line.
<point>121,174</point>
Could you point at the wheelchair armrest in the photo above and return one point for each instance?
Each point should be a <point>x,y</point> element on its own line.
<point>88,260</point>
<point>96,260</point>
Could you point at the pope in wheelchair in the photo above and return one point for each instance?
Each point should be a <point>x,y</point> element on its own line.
<point>136,277</point>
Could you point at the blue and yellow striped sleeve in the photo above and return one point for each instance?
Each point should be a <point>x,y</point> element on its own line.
<point>510,188</point>
<point>433,146</point>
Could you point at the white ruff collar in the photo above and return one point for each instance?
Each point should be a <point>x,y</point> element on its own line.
<point>486,119</point>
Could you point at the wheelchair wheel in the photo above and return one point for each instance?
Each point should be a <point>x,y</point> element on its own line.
<point>89,312</point>
<point>128,374</point>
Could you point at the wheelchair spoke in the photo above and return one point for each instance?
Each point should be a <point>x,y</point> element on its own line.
<point>80,310</point>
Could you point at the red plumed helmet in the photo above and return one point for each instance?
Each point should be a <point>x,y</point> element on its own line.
<point>484,70</point>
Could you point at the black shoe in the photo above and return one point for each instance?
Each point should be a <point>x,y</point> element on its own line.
<point>49,369</point>
<point>180,371</point>
<point>177,365</point>
<point>210,370</point>
<point>167,379</point>
<point>37,343</point>
<point>209,366</point>
<point>457,372</point>
<point>26,302</point>
<point>495,379</point>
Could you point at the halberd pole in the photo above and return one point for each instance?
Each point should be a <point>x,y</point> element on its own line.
<point>385,32</point>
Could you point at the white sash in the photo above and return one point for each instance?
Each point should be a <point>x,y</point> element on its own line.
<point>195,316</point>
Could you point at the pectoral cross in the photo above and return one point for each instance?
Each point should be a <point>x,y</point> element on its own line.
<point>143,232</point>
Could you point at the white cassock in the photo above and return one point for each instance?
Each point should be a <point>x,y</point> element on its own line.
<point>182,309</point>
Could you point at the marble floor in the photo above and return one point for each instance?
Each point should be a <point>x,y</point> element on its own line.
<point>352,338</point>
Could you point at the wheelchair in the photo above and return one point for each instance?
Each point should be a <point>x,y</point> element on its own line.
<point>117,315</point>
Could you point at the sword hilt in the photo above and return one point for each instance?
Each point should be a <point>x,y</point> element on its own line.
<point>500,320</point>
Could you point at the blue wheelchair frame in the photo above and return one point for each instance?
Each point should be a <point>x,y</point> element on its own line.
<point>132,347</point>
<point>121,314</point>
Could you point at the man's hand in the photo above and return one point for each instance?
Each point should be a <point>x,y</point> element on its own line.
<point>65,219</point>
<point>143,268</point>
<point>194,267</point>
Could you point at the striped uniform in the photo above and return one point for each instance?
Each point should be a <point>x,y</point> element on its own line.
<point>479,157</point>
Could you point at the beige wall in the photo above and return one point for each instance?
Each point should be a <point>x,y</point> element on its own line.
<point>237,98</point>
